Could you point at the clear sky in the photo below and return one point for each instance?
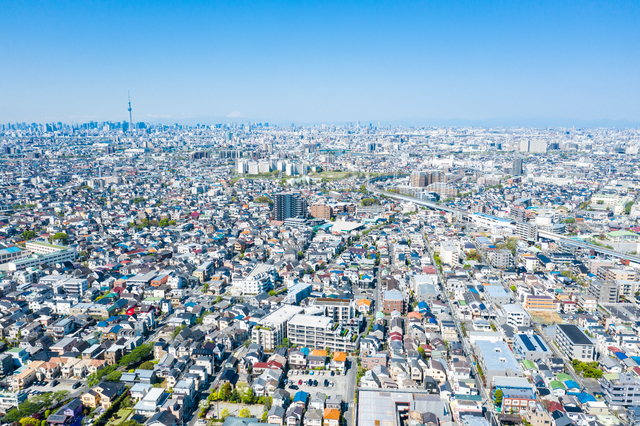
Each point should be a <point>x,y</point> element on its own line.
<point>314,62</point>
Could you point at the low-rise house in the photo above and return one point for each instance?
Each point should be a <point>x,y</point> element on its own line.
<point>103,395</point>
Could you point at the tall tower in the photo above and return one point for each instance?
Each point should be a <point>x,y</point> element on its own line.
<point>130,120</point>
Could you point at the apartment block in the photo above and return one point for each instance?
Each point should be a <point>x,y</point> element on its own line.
<point>272,329</point>
<point>317,332</point>
<point>574,343</point>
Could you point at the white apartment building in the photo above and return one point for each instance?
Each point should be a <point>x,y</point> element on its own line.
<point>272,329</point>
<point>449,253</point>
<point>318,332</point>
<point>516,316</point>
<point>259,280</point>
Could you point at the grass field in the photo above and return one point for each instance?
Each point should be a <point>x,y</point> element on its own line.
<point>546,317</point>
<point>121,416</point>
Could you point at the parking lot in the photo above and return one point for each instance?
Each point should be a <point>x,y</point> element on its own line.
<point>63,384</point>
<point>339,382</point>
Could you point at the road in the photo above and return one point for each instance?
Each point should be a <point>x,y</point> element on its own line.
<point>349,397</point>
<point>486,399</point>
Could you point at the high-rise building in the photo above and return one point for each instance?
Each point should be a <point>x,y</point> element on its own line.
<point>321,211</point>
<point>516,167</point>
<point>418,179</point>
<point>287,205</point>
<point>423,179</point>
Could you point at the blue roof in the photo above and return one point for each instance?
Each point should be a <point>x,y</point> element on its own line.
<point>13,249</point>
<point>585,397</point>
<point>102,324</point>
<point>305,351</point>
<point>570,384</point>
<point>474,290</point>
<point>301,396</point>
<point>621,355</point>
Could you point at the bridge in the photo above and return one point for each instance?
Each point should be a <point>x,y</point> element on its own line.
<point>468,215</point>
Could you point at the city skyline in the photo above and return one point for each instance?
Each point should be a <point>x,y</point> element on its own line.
<point>549,64</point>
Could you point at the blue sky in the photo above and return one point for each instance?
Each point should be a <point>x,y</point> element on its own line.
<point>314,62</point>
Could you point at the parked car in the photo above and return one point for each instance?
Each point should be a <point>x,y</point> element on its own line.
<point>76,385</point>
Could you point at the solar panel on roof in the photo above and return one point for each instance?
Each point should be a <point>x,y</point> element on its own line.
<point>544,348</point>
<point>527,343</point>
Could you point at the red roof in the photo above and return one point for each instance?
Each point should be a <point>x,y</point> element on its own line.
<point>554,406</point>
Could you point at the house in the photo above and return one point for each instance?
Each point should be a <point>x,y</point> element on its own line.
<point>103,395</point>
<point>300,399</point>
<point>318,401</point>
<point>339,361</point>
<point>313,417</point>
<point>162,418</point>
<point>67,414</point>
<point>331,417</point>
<point>275,416</point>
<point>281,397</point>
<point>23,379</point>
<point>294,416</point>
<point>297,359</point>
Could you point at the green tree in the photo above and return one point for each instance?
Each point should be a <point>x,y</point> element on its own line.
<point>225,413</point>
<point>245,413</point>
<point>225,392</point>
<point>163,222</point>
<point>60,236</point>
<point>498,397</point>
<point>28,235</point>
<point>114,376</point>
<point>248,397</point>
<point>29,421</point>
<point>147,365</point>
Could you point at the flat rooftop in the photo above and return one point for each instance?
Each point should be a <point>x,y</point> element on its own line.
<point>311,321</point>
<point>574,334</point>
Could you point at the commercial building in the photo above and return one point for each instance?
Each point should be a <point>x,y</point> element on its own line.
<point>574,343</point>
<point>318,332</point>
<point>540,303</point>
<point>272,329</point>
<point>497,359</point>
<point>531,347</point>
<point>40,259</point>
